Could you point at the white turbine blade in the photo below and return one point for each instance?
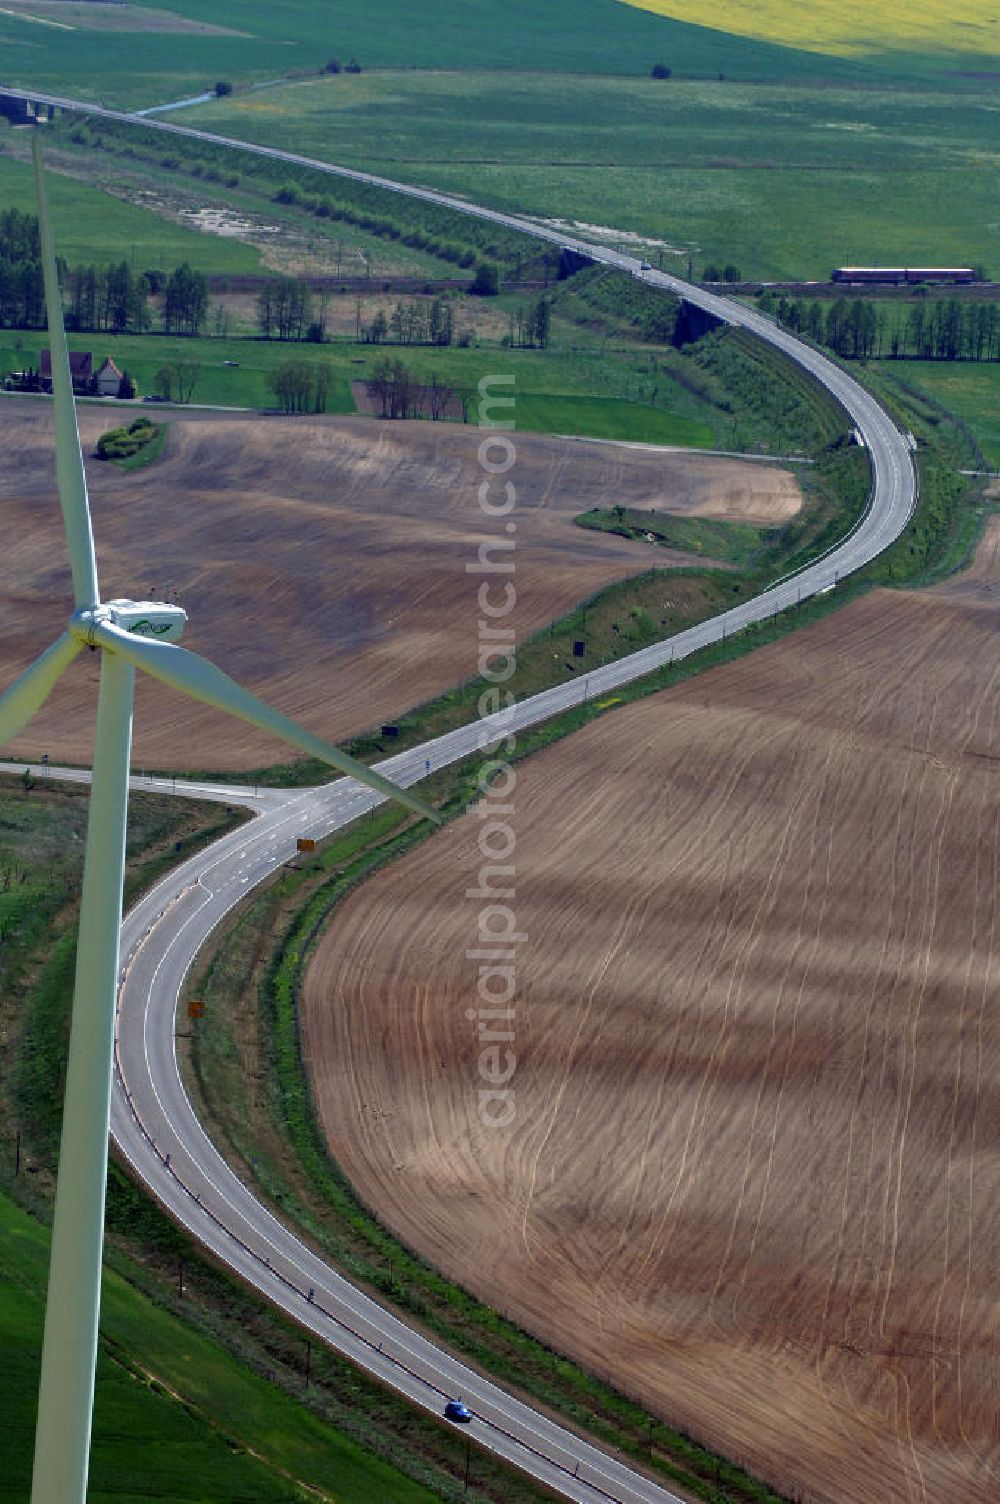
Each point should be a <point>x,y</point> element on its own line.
<point>34,686</point>
<point>70,477</point>
<point>69,1348</point>
<point>195,676</point>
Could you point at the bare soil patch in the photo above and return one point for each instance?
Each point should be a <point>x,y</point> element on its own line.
<point>753,1173</point>
<point>747,491</point>
<point>322,562</point>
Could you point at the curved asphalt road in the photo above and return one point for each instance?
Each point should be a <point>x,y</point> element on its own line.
<point>153,1123</point>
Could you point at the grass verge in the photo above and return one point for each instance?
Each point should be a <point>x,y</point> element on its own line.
<point>734,542</point>
<point>174,1411</point>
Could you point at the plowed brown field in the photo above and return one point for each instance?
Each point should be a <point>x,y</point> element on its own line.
<point>322,561</point>
<point>754,1173</point>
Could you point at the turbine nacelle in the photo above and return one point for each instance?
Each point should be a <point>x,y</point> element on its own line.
<point>154,619</point>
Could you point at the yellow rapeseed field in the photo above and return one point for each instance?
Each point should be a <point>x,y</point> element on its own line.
<point>848,27</point>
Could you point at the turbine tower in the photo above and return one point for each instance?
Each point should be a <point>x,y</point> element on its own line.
<point>129,635</point>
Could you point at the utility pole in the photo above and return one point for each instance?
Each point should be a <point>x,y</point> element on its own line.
<point>308,1362</point>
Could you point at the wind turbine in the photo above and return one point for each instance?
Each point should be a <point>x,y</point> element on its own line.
<point>129,635</point>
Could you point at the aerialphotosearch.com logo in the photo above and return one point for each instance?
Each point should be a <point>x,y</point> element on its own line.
<point>497,935</point>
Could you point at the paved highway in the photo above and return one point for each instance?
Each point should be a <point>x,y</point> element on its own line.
<point>154,1125</point>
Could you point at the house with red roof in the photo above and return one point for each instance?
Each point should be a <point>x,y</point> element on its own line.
<point>81,365</point>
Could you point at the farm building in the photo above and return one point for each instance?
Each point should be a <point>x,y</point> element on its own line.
<point>81,365</point>
<point>108,380</point>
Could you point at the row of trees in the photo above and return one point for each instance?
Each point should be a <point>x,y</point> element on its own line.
<point>285,310</point>
<point>19,239</point>
<point>185,301</point>
<point>528,326</point>
<point>412,323</point>
<point>109,299</point>
<point>399,394</point>
<point>302,386</point>
<point>325,206</point>
<point>115,300</point>
<point>946,329</point>
<point>727,273</point>
<point>176,382</point>
<point>420,224</point>
<point>22,297</point>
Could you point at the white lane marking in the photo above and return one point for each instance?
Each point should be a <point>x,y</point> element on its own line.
<point>357,1305</point>
<point>845,388</point>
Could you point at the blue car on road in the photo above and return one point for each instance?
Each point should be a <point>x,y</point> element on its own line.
<point>455,1410</point>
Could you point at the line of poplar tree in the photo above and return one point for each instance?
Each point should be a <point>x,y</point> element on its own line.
<point>284,310</point>
<point>412,323</point>
<point>109,299</point>
<point>936,329</point>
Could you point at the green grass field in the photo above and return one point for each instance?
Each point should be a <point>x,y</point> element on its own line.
<point>296,239</point>
<point>778,159</point>
<point>169,1405</point>
<point>609,418</point>
<point>95,227</point>
<point>970,391</point>
<point>784,180</point>
<point>557,393</point>
<point>134,70</point>
<point>245,385</point>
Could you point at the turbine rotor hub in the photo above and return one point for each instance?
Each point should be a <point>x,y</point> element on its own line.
<point>155,619</point>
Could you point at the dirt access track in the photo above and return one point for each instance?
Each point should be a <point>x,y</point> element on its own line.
<point>753,1172</point>
<point>322,561</point>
